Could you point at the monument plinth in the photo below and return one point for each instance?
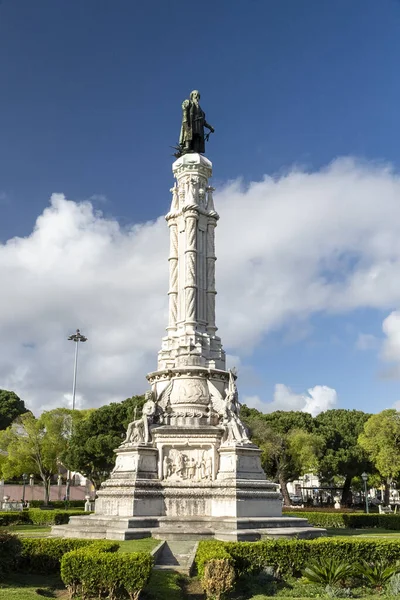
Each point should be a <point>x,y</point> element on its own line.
<point>187,466</point>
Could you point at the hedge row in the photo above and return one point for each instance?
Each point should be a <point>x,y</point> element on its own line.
<point>292,556</point>
<point>95,574</point>
<point>43,555</point>
<point>349,520</point>
<point>35,516</point>
<point>58,504</point>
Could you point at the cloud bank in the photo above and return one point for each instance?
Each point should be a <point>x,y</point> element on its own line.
<point>288,247</point>
<point>316,400</point>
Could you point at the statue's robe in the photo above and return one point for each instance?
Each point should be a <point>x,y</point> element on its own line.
<point>192,130</point>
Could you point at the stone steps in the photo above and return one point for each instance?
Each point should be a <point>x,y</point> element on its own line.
<point>252,535</point>
<point>177,556</point>
<point>189,528</point>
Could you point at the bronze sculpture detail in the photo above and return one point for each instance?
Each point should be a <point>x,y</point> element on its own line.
<point>192,138</point>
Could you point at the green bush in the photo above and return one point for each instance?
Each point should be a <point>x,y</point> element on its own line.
<point>94,573</point>
<point>328,571</point>
<point>218,578</point>
<point>52,517</point>
<point>10,550</point>
<point>350,520</point>
<point>209,550</point>
<point>13,518</point>
<point>379,573</point>
<point>36,516</point>
<point>43,555</point>
<point>58,504</point>
<point>292,556</point>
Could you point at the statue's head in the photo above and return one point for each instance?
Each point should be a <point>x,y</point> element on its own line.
<point>195,96</point>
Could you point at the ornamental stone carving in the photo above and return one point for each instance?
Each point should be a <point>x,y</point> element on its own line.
<point>190,464</point>
<point>138,431</point>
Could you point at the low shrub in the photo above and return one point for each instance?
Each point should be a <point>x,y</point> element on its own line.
<point>59,504</point>
<point>13,518</point>
<point>43,555</point>
<point>95,574</point>
<point>35,516</point>
<point>379,573</point>
<point>10,550</point>
<point>218,578</point>
<point>292,556</point>
<point>52,517</point>
<point>393,588</point>
<point>209,550</point>
<point>348,520</point>
<point>328,571</point>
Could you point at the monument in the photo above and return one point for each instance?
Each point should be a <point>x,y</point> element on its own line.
<point>187,466</point>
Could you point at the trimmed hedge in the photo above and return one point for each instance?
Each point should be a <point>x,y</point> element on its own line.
<point>14,518</point>
<point>349,520</point>
<point>52,517</point>
<point>43,555</point>
<point>35,516</point>
<point>58,504</point>
<point>89,574</point>
<point>292,556</point>
<point>10,550</point>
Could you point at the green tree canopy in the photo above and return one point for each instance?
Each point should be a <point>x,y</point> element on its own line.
<point>11,407</point>
<point>36,445</point>
<point>289,446</point>
<point>94,439</point>
<point>381,441</point>
<point>342,454</point>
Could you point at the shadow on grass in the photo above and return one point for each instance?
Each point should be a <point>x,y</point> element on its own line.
<point>29,585</point>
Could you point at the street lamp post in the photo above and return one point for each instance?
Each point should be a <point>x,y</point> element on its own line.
<point>364,477</point>
<point>24,479</point>
<point>75,337</point>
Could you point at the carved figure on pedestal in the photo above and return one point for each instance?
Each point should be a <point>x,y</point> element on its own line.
<point>167,467</point>
<point>138,431</point>
<point>209,469</point>
<point>192,138</point>
<point>191,469</point>
<point>235,431</point>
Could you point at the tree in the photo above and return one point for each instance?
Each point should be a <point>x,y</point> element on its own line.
<point>11,407</point>
<point>37,445</point>
<point>94,439</point>
<point>342,454</point>
<point>289,446</point>
<point>381,441</point>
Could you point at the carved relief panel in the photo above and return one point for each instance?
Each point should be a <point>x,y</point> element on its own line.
<point>187,464</point>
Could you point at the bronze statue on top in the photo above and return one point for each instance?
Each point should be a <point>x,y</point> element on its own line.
<point>192,138</point>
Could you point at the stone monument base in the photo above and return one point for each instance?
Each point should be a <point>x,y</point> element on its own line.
<point>189,528</point>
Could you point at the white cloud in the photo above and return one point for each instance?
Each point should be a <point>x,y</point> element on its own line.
<point>316,400</point>
<point>391,344</point>
<point>287,248</point>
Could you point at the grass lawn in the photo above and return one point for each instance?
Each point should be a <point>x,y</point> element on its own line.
<point>143,545</point>
<point>364,533</point>
<point>32,587</point>
<point>28,530</point>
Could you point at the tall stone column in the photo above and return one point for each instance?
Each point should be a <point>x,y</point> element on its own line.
<point>191,271</point>
<point>173,276</point>
<point>211,292</point>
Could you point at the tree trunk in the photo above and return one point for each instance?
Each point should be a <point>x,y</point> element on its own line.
<point>46,484</point>
<point>386,493</point>
<point>346,491</point>
<point>284,490</point>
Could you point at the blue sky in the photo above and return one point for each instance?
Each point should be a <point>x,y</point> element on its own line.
<point>90,105</point>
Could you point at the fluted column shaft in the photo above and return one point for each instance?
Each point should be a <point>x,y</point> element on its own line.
<point>191,269</point>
